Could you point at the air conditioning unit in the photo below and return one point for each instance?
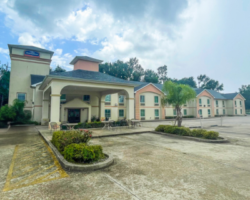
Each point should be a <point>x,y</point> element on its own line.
<point>156,104</point>
<point>204,105</point>
<point>121,104</point>
<point>142,104</point>
<point>142,118</point>
<point>107,103</point>
<point>157,118</point>
<point>208,105</point>
<point>217,105</point>
<point>200,105</point>
<point>185,105</point>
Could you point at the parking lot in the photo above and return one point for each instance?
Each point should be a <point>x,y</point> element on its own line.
<point>148,166</point>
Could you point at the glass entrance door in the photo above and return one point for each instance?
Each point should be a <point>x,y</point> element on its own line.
<point>74,115</point>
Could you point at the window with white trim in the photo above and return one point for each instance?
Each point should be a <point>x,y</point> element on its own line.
<point>121,113</point>
<point>108,98</point>
<point>121,99</point>
<point>142,113</point>
<point>107,113</point>
<point>185,112</point>
<point>21,96</point>
<point>156,113</point>
<point>142,99</point>
<point>86,97</point>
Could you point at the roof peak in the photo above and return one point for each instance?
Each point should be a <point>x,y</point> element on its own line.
<point>86,58</point>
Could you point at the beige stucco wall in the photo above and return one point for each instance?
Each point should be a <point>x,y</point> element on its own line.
<point>21,69</point>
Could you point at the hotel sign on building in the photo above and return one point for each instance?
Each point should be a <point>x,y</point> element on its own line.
<point>31,53</point>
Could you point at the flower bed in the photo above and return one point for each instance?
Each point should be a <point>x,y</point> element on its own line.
<point>183,131</point>
<point>73,145</point>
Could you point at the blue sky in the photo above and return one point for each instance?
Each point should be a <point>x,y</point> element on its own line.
<point>191,37</point>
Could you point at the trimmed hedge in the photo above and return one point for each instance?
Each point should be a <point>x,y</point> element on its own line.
<point>81,153</point>
<point>173,117</point>
<point>61,139</point>
<point>183,131</point>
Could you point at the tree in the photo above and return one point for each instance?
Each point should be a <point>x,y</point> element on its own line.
<point>4,83</point>
<point>138,71</point>
<point>185,81</point>
<point>245,92</point>
<point>162,73</point>
<point>177,95</point>
<point>207,83</point>
<point>58,69</point>
<point>22,116</point>
<point>151,76</point>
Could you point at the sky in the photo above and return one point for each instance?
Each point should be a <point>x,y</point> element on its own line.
<point>191,37</point>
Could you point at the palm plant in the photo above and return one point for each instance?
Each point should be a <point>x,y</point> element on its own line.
<point>177,95</point>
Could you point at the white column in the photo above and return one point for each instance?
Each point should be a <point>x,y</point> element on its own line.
<point>101,107</point>
<point>130,114</point>
<point>55,108</point>
<point>45,112</point>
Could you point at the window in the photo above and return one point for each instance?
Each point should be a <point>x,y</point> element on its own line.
<point>223,103</point>
<point>142,99</point>
<point>217,112</point>
<point>185,111</point>
<point>200,102</point>
<point>121,99</point>
<point>174,112</point>
<point>108,98</point>
<point>224,112</point>
<point>208,101</point>
<point>121,113</point>
<point>86,97</point>
<point>142,113</point>
<point>236,111</point>
<point>241,111</point>
<point>200,112</point>
<point>208,112</point>
<point>21,96</point>
<point>217,103</point>
<point>156,113</point>
<point>240,103</point>
<point>107,113</point>
<point>235,103</point>
<point>156,99</point>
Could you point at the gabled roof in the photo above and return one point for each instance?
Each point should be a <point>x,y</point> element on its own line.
<point>29,48</point>
<point>90,76</point>
<point>230,95</point>
<point>84,58</point>
<point>34,79</point>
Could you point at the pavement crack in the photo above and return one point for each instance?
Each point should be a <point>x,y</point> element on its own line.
<point>121,186</point>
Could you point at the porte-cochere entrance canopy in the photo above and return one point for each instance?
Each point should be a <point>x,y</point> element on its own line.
<point>79,100</point>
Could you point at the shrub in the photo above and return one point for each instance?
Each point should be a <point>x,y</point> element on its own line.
<point>198,132</point>
<point>7,113</point>
<point>61,139</point>
<point>169,129</point>
<point>160,128</point>
<point>95,124</point>
<point>211,135</point>
<point>182,131</point>
<point>3,125</point>
<point>82,153</point>
<point>204,134</point>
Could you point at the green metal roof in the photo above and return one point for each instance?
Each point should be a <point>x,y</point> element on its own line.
<point>84,58</point>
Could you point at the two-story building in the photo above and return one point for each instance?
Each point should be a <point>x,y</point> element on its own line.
<point>85,93</point>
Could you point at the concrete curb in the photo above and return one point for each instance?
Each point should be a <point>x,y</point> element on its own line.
<point>78,167</point>
<point>222,140</point>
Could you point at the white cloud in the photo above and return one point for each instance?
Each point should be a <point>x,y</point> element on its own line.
<point>62,60</point>
<point>4,51</point>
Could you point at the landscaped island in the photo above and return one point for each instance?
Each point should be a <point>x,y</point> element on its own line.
<point>73,145</point>
<point>183,131</point>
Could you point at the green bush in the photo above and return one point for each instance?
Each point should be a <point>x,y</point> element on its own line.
<point>211,135</point>
<point>7,113</point>
<point>95,124</point>
<point>169,129</point>
<point>3,125</point>
<point>173,117</point>
<point>184,131</point>
<point>81,153</point>
<point>61,139</point>
<point>160,128</point>
<point>204,134</point>
<point>198,132</point>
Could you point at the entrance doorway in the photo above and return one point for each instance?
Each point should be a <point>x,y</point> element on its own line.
<point>74,115</point>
